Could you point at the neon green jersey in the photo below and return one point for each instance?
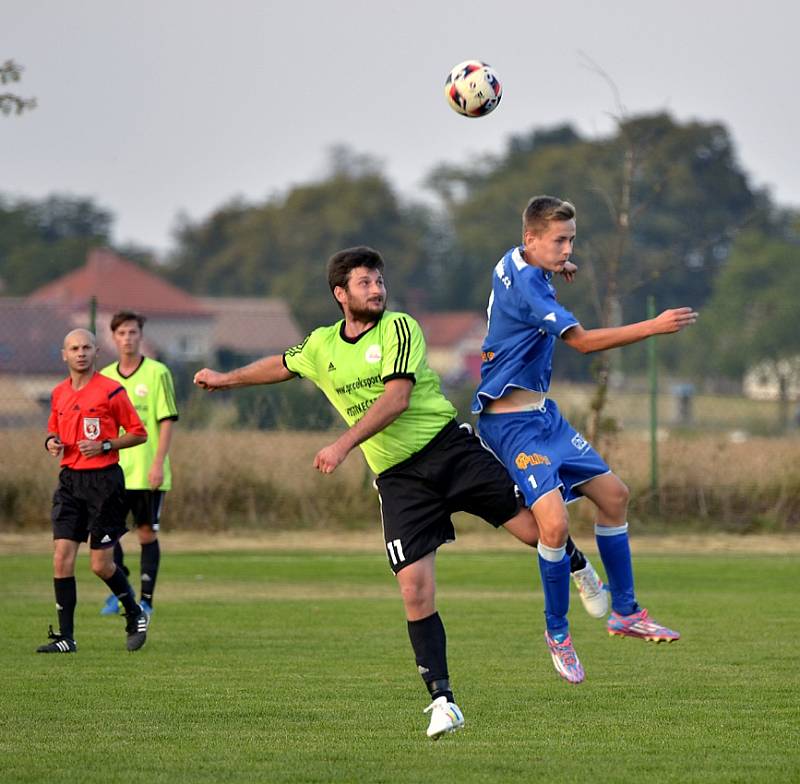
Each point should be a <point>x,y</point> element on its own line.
<point>352,374</point>
<point>153,396</point>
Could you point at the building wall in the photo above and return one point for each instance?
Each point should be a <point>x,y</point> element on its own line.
<point>177,339</point>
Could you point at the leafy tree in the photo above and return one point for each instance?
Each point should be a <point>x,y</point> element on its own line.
<point>10,103</point>
<point>40,240</point>
<point>751,320</point>
<point>687,198</point>
<point>280,248</point>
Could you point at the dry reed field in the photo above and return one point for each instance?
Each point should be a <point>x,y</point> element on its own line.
<point>265,480</point>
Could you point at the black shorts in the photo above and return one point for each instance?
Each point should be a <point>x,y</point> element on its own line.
<point>90,504</point>
<point>145,507</point>
<point>452,473</point>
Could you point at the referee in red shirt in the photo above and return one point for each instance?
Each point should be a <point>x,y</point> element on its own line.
<point>87,411</point>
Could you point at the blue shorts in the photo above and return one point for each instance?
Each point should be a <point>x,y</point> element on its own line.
<point>542,452</point>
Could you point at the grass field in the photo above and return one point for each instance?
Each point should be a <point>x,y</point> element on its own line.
<point>295,667</point>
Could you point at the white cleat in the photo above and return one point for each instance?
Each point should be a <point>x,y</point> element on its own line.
<point>590,588</point>
<point>445,717</point>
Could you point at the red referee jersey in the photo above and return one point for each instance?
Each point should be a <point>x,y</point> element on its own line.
<point>95,413</point>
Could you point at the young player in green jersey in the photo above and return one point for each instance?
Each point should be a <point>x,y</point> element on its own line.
<point>147,470</point>
<point>371,366</point>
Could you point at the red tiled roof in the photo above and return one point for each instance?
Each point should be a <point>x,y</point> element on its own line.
<point>449,329</point>
<point>118,284</point>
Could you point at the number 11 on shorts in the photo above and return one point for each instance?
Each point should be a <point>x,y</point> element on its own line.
<point>395,551</point>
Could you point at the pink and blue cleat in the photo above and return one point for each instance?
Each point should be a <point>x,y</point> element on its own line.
<point>639,624</point>
<point>565,660</point>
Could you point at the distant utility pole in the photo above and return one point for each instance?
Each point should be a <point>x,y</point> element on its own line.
<point>652,362</point>
<point>93,315</point>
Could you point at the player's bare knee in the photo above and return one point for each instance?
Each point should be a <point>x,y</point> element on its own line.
<point>63,564</point>
<point>99,570</point>
<point>615,503</point>
<point>417,599</point>
<point>554,531</point>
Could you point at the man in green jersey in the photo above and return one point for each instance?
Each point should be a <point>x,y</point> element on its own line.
<point>147,470</point>
<point>371,366</point>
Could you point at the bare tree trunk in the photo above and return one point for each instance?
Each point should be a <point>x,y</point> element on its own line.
<point>612,310</point>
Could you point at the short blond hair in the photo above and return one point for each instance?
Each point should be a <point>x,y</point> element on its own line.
<point>542,210</point>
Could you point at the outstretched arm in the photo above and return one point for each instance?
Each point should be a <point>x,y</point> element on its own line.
<point>588,340</point>
<point>382,412</point>
<point>269,370</point>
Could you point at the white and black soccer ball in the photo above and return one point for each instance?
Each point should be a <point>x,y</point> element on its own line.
<point>473,88</point>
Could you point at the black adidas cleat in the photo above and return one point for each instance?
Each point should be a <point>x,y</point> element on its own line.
<point>59,644</point>
<point>136,628</point>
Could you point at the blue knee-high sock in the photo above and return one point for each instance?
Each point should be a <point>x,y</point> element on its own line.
<point>615,552</point>
<point>554,568</point>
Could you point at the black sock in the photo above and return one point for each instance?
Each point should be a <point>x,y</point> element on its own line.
<point>430,650</point>
<point>121,588</point>
<point>66,599</point>
<point>151,557</point>
<point>577,560</point>
<point>119,558</point>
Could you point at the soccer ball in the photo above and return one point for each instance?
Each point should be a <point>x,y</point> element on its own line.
<point>473,89</point>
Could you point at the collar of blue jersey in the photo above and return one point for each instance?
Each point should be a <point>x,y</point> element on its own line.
<point>520,263</point>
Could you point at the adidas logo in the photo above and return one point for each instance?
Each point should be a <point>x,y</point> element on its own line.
<point>146,578</point>
<point>422,670</point>
<point>549,317</point>
<point>331,367</point>
<point>105,540</point>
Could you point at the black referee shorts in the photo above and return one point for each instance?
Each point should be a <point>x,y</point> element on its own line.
<point>452,473</point>
<point>90,504</point>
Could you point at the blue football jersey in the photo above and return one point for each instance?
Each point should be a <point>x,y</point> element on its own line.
<point>524,320</point>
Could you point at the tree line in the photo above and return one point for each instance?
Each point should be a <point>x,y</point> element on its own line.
<point>664,209</point>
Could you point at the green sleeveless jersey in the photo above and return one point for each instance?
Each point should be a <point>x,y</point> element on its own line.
<point>153,396</point>
<point>352,373</point>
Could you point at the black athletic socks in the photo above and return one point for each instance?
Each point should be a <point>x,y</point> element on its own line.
<point>66,599</point>
<point>430,650</point>
<point>151,557</point>
<point>577,560</point>
<point>118,585</point>
<point>119,558</point>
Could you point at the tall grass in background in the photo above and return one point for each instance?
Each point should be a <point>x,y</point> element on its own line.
<point>232,479</point>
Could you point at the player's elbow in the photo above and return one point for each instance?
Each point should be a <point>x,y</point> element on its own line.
<point>576,338</point>
<point>401,404</point>
<point>138,439</point>
<point>579,344</point>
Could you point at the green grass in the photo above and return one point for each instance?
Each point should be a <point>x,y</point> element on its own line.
<point>296,667</point>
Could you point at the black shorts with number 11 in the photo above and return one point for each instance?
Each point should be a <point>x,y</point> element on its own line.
<point>453,472</point>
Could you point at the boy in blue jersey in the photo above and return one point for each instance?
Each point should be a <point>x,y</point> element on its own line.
<point>549,460</point>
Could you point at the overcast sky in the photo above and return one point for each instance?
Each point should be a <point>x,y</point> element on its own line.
<point>163,106</point>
